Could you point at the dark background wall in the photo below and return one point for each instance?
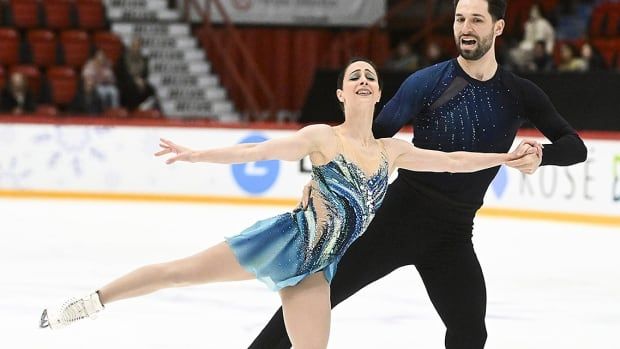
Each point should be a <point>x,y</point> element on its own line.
<point>589,101</point>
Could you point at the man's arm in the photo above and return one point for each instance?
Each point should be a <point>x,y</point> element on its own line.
<point>566,146</point>
<point>407,102</point>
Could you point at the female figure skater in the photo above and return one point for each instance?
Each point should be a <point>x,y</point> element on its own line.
<point>296,253</point>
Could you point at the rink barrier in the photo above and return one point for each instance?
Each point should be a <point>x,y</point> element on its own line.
<point>102,159</point>
<point>602,220</point>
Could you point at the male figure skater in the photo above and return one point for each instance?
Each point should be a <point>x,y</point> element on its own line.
<point>469,103</point>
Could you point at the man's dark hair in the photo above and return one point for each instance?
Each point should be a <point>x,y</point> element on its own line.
<point>497,8</point>
<point>340,81</point>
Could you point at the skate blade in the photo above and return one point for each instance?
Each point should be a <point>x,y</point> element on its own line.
<point>44,323</point>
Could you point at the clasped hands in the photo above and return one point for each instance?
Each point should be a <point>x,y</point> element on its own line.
<point>526,157</point>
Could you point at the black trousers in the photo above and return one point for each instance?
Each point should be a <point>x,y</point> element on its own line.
<point>410,229</point>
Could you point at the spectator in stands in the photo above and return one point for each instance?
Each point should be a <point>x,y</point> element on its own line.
<point>537,28</point>
<point>133,72</point>
<point>593,59</point>
<point>403,58</point>
<point>433,54</point>
<point>100,70</point>
<point>87,100</point>
<point>542,62</point>
<point>570,60</point>
<point>17,97</point>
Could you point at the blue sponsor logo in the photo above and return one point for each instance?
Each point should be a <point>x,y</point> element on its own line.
<point>256,177</point>
<point>500,182</point>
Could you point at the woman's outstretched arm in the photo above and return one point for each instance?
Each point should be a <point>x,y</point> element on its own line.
<point>407,156</point>
<point>305,141</point>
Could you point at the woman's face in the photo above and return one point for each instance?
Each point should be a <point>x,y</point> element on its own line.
<point>360,85</point>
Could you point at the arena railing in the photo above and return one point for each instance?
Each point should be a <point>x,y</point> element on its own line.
<point>252,106</point>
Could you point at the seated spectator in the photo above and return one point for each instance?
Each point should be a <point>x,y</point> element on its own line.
<point>99,69</point>
<point>541,62</point>
<point>569,60</point>
<point>593,59</point>
<point>87,100</point>
<point>537,28</point>
<point>433,54</point>
<point>133,72</point>
<point>403,58</point>
<point>17,97</point>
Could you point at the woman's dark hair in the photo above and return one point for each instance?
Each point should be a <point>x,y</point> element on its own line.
<point>497,8</point>
<point>340,81</point>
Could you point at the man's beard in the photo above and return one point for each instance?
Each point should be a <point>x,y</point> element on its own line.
<point>482,47</point>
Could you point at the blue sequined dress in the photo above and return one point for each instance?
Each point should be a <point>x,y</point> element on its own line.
<point>283,250</point>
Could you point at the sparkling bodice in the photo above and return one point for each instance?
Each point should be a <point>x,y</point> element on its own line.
<point>342,204</point>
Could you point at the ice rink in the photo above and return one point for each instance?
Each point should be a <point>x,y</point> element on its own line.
<point>550,285</point>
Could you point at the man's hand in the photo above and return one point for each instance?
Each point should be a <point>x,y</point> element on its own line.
<point>305,197</point>
<point>529,163</point>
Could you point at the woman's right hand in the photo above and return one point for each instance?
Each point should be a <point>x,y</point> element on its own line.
<point>182,153</point>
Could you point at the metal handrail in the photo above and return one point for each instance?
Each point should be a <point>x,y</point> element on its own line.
<point>254,108</point>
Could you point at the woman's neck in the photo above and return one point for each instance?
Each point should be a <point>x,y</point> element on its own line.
<point>358,125</point>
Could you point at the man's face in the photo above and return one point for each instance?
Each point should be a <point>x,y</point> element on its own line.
<point>474,28</point>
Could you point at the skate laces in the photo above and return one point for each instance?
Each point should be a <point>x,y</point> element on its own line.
<point>72,310</point>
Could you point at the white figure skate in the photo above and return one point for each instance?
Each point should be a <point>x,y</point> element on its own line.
<point>71,311</point>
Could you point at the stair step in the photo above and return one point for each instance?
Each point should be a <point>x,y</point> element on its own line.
<point>170,42</point>
<point>123,28</point>
<point>141,14</point>
<point>221,107</point>
<point>229,117</point>
<point>178,79</point>
<point>212,93</point>
<point>180,67</point>
<point>170,55</point>
<point>137,4</point>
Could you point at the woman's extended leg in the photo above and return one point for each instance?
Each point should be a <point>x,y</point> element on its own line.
<point>217,263</point>
<point>307,312</point>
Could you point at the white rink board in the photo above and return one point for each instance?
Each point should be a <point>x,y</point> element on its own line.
<point>120,159</point>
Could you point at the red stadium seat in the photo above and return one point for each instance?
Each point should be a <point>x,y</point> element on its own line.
<point>33,75</point>
<point>598,20</point>
<point>58,14</point>
<point>25,13</point>
<point>9,46</point>
<point>110,44</point>
<point>63,82</point>
<point>43,47</point>
<point>118,112</point>
<point>2,12</point>
<point>548,5</point>
<point>613,20</point>
<point>517,13</point>
<point>47,110</point>
<point>2,77</point>
<point>90,14</point>
<point>146,114</point>
<point>607,48</point>
<point>75,47</point>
